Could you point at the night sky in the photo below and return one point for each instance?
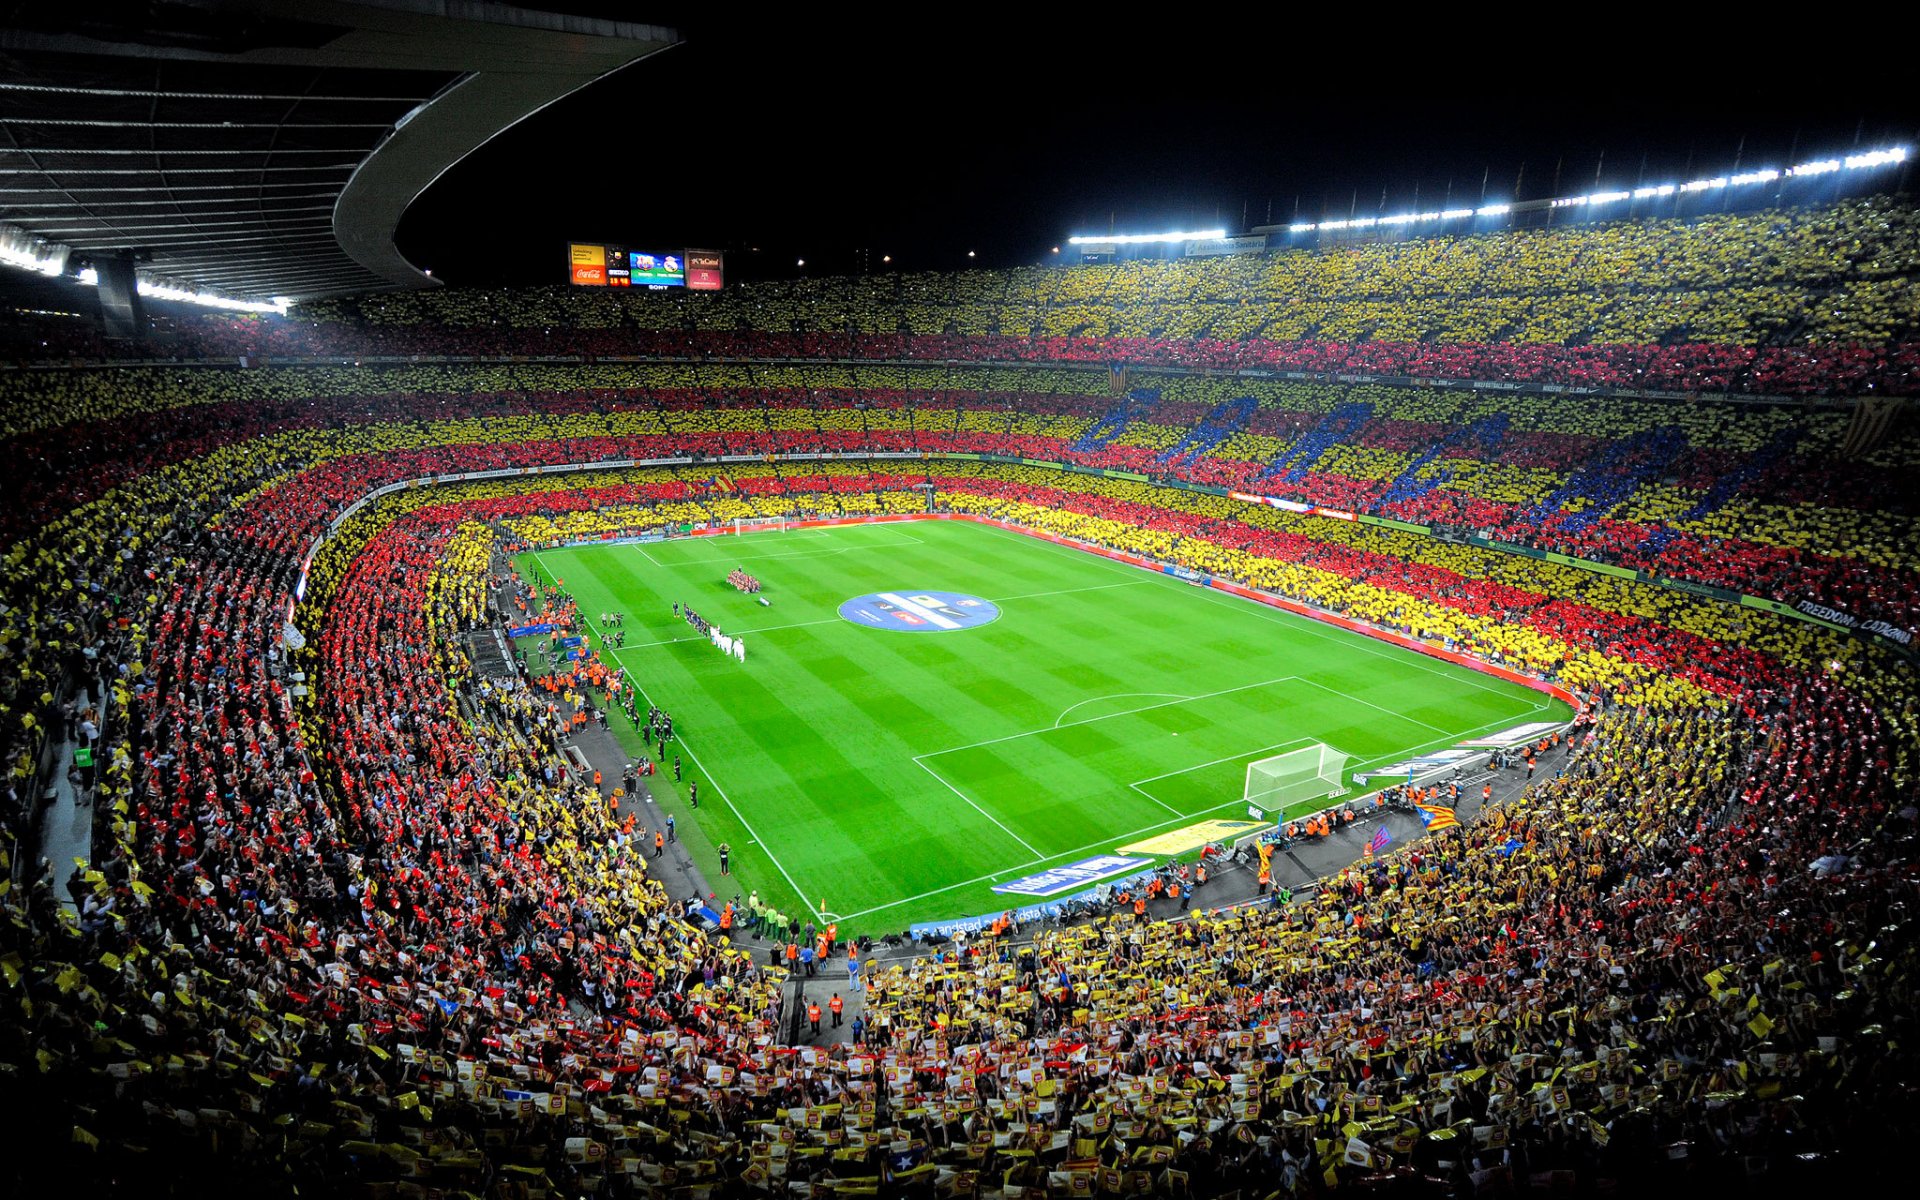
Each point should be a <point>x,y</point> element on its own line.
<point>842,140</point>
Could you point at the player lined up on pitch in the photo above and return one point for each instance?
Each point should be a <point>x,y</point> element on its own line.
<point>733,647</point>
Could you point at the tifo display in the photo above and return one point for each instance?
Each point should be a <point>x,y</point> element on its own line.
<point>1415,714</point>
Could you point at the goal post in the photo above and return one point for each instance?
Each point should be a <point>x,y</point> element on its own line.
<point>1282,780</point>
<point>759,524</point>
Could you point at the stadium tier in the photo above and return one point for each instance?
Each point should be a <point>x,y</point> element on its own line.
<point>1765,502</point>
<point>319,643</point>
<point>1790,301</point>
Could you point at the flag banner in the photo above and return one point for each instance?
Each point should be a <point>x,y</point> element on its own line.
<point>1437,817</point>
<point>1179,841</point>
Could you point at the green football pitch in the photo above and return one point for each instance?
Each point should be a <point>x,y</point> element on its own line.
<point>896,773</point>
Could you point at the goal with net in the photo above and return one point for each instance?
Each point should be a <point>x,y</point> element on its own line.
<point>756,524</point>
<point>1283,780</point>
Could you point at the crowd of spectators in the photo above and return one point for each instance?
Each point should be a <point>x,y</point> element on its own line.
<point>1801,300</point>
<point>1755,501</point>
<point>1580,982</point>
<point>1813,530</point>
<point>350,923</point>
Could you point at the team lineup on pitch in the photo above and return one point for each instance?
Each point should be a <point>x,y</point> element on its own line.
<point>1069,709</point>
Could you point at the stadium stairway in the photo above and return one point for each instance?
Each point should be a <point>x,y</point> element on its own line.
<point>65,825</point>
<point>601,750</point>
<point>674,868</point>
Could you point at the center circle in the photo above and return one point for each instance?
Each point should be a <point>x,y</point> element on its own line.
<point>919,612</point>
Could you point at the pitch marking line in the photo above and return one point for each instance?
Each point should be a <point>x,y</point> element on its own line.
<point>1370,704</point>
<point>1135,785</point>
<point>1121,837</point>
<point>1360,641</point>
<point>1031,849</point>
<point>798,891</point>
<point>1116,696</point>
<point>903,540</point>
<point>1245,687</point>
<point>1098,587</point>
<point>1308,625</point>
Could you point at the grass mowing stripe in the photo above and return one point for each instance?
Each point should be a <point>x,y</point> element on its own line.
<point>820,732</point>
<point>1121,837</point>
<point>688,747</point>
<point>1302,623</point>
<point>983,812</point>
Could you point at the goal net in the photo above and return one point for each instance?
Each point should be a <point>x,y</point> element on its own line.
<point>752,524</point>
<point>1311,773</point>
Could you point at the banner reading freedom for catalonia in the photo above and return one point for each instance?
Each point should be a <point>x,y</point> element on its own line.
<point>1179,841</point>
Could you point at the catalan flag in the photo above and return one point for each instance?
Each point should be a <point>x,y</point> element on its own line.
<point>1379,841</point>
<point>1437,817</point>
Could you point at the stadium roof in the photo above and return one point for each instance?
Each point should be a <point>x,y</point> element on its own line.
<point>256,149</point>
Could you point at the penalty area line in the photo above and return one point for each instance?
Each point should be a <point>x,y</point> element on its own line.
<point>1107,716</point>
<point>1122,837</point>
<point>1177,697</point>
<point>983,812</point>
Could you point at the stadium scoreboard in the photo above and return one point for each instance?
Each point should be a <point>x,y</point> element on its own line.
<point>602,264</point>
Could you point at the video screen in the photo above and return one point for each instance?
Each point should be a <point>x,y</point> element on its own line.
<point>649,269</point>
<point>602,264</point>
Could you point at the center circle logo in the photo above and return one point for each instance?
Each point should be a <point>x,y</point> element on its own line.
<point>919,612</point>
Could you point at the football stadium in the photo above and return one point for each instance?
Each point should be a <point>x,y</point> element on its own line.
<point>1263,694</point>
